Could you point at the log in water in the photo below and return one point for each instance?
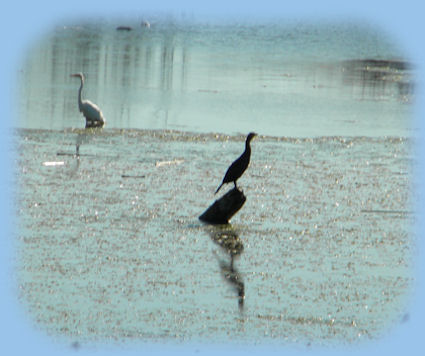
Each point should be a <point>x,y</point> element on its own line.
<point>224,208</point>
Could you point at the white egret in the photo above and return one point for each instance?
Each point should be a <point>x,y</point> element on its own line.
<point>92,113</point>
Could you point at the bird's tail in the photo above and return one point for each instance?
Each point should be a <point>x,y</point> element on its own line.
<point>218,188</point>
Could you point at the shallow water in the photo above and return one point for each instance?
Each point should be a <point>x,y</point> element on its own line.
<point>325,234</point>
<point>291,80</point>
<point>110,247</point>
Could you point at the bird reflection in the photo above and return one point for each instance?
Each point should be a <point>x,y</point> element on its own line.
<point>77,157</point>
<point>79,140</point>
<point>83,137</point>
<point>228,239</point>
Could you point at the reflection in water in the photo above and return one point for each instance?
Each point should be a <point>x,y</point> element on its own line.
<point>133,75</point>
<point>229,241</point>
<point>220,79</point>
<point>233,277</point>
<point>379,78</point>
<point>136,265</point>
<point>83,137</point>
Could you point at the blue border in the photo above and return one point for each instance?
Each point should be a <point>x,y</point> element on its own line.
<point>22,23</point>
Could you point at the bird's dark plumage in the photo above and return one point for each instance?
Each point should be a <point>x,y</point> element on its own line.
<point>239,166</point>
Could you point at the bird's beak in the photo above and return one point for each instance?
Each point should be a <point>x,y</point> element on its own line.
<point>74,75</point>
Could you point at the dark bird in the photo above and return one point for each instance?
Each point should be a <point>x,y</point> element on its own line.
<point>92,113</point>
<point>239,166</point>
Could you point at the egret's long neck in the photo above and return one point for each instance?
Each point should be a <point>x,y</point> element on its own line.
<point>80,100</point>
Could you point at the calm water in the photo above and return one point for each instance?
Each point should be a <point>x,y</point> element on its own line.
<point>279,80</point>
<point>110,245</point>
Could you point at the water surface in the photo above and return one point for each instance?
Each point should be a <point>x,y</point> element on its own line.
<point>281,80</point>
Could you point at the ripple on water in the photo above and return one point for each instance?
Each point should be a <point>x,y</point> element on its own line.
<point>324,239</point>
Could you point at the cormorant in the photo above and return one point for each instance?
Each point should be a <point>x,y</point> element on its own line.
<point>239,166</point>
